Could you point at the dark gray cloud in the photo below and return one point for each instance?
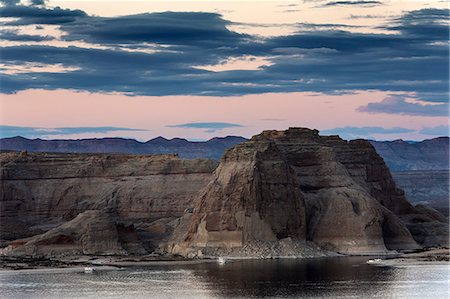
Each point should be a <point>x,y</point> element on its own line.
<point>33,132</point>
<point>413,57</point>
<point>209,127</point>
<point>368,130</point>
<point>28,15</point>
<point>364,132</point>
<point>400,105</point>
<point>206,30</point>
<point>435,131</point>
<point>353,3</point>
<point>13,35</point>
<point>38,2</point>
<point>9,2</point>
<point>16,2</point>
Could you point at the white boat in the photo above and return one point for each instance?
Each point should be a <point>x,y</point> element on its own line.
<point>221,261</point>
<point>89,270</point>
<point>373,261</point>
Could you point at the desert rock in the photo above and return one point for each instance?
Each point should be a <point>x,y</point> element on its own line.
<point>296,184</point>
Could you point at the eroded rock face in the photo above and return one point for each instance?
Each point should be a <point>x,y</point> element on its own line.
<point>91,233</point>
<point>297,184</point>
<point>430,154</point>
<point>46,188</point>
<point>40,191</point>
<point>425,187</point>
<point>282,193</point>
<point>243,204</point>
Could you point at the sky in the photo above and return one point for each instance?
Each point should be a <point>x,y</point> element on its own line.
<point>200,69</point>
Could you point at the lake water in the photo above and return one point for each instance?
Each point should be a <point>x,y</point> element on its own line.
<point>343,277</point>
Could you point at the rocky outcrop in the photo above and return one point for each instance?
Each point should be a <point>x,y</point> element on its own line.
<point>90,233</point>
<point>282,193</point>
<point>296,184</point>
<point>239,205</point>
<point>40,191</point>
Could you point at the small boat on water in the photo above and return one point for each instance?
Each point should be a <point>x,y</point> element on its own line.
<point>89,270</point>
<point>221,260</point>
<point>373,261</point>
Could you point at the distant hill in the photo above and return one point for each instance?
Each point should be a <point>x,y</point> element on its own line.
<point>399,155</point>
<point>212,149</point>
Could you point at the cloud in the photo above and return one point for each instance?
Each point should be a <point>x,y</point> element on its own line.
<point>399,104</point>
<point>28,15</point>
<point>38,2</point>
<point>209,127</point>
<point>364,132</point>
<point>368,16</point>
<point>35,132</point>
<point>16,2</point>
<point>436,131</point>
<point>206,30</point>
<point>9,2</point>
<point>353,3</point>
<point>13,35</point>
<point>161,52</point>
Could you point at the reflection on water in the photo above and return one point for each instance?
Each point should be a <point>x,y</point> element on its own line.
<point>344,277</point>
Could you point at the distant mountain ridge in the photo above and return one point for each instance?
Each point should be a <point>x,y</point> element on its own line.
<point>399,155</point>
<point>211,149</point>
<point>430,154</point>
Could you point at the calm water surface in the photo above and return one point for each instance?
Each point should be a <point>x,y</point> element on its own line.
<point>343,277</point>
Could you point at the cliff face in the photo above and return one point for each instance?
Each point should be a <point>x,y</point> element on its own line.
<point>41,191</point>
<point>296,184</point>
<point>281,193</point>
<point>91,232</point>
<point>432,154</point>
<point>425,187</point>
<point>242,204</point>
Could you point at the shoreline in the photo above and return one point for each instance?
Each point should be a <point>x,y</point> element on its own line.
<point>434,256</point>
<point>77,264</point>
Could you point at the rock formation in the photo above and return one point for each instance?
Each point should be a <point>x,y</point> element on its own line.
<point>296,184</point>
<point>91,232</point>
<point>282,193</point>
<point>40,191</point>
<point>399,155</point>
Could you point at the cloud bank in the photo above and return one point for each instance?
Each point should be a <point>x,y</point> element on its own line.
<point>162,53</point>
<point>33,132</point>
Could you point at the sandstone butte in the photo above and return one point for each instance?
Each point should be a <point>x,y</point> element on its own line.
<point>282,193</point>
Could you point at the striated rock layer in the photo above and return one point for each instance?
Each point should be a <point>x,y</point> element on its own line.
<point>41,191</point>
<point>429,187</point>
<point>91,232</point>
<point>283,193</point>
<point>430,154</point>
<point>299,186</point>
